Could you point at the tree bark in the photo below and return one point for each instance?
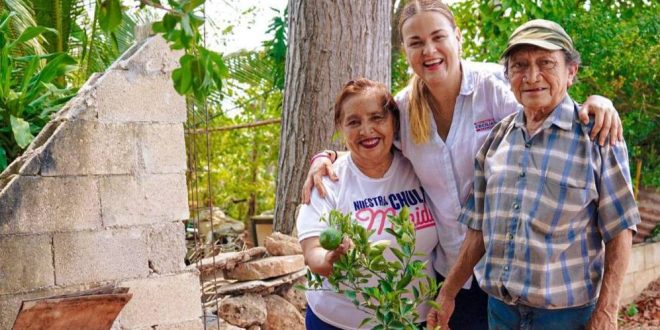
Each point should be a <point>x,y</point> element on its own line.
<point>330,42</point>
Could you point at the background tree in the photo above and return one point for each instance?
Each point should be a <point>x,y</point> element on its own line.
<point>330,42</point>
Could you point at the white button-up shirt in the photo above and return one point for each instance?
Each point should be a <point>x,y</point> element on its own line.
<point>446,168</point>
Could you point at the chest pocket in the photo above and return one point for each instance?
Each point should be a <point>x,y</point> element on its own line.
<point>566,204</point>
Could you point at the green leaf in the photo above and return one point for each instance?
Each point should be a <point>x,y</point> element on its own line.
<point>192,5</point>
<point>632,310</point>
<point>405,280</point>
<point>385,286</point>
<point>110,15</point>
<point>3,159</point>
<point>364,322</point>
<point>21,130</point>
<point>183,75</point>
<point>350,294</point>
<point>399,255</point>
<point>31,33</point>
<point>6,20</point>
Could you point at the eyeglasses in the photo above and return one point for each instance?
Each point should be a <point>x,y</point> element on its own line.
<point>518,67</point>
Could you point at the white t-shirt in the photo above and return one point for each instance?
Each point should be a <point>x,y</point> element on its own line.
<point>446,168</point>
<point>369,201</point>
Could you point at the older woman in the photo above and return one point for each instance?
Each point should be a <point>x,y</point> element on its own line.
<point>376,181</point>
<point>447,111</point>
<point>547,200</point>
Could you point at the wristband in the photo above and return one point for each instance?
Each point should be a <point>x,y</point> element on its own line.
<point>336,155</point>
<point>319,155</point>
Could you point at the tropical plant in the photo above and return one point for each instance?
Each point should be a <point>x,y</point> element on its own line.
<point>28,93</point>
<point>391,304</point>
<point>24,18</point>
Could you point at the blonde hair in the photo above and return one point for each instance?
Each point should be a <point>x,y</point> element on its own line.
<point>419,110</point>
<point>420,98</point>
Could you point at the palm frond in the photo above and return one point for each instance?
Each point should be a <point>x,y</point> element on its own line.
<point>249,67</point>
<point>96,49</point>
<point>24,18</point>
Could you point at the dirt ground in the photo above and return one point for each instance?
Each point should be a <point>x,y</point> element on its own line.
<point>648,306</point>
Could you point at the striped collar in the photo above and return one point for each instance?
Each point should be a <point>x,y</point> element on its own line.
<point>562,116</point>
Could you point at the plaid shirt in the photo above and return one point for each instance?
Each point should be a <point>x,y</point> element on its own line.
<point>545,205</point>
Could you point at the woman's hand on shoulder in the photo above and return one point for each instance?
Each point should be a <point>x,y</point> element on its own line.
<point>321,167</point>
<point>606,119</point>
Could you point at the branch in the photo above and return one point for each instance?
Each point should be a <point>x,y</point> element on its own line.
<point>233,127</point>
<point>159,6</point>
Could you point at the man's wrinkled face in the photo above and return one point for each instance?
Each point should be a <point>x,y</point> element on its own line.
<point>539,78</point>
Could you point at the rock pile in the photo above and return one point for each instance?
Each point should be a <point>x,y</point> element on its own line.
<point>254,289</point>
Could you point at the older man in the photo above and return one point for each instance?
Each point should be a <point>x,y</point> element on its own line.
<point>551,223</point>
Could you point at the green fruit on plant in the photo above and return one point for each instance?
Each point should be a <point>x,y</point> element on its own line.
<point>330,238</point>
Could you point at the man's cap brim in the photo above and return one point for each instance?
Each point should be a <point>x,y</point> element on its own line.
<point>534,42</point>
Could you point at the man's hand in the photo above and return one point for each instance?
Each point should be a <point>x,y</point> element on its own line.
<point>320,168</point>
<point>440,318</point>
<point>606,119</point>
<point>602,320</point>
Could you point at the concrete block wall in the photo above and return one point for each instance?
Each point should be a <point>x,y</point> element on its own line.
<point>644,268</point>
<point>99,198</point>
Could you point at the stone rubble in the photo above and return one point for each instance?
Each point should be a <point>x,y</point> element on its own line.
<point>256,290</point>
<point>266,268</point>
<point>279,244</point>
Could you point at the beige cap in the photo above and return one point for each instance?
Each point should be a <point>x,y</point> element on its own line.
<point>541,33</point>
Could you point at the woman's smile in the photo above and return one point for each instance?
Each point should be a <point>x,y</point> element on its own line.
<point>370,143</point>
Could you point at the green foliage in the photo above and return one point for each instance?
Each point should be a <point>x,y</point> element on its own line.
<point>276,47</point>
<point>632,310</point>
<point>389,301</point>
<point>618,42</point>
<point>400,75</point>
<point>202,70</point>
<point>242,162</point>
<point>655,234</point>
<point>24,18</point>
<point>59,15</point>
<point>28,89</point>
<point>110,14</point>
<point>643,139</point>
<point>94,48</point>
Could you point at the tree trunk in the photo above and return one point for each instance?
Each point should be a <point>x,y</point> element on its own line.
<point>330,42</point>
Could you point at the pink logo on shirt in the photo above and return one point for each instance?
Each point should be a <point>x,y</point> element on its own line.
<point>420,216</point>
<point>484,125</point>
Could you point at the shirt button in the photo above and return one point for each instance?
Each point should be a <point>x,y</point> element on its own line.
<point>516,206</point>
<point>509,236</point>
<point>522,174</point>
<point>527,145</point>
<point>506,268</point>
